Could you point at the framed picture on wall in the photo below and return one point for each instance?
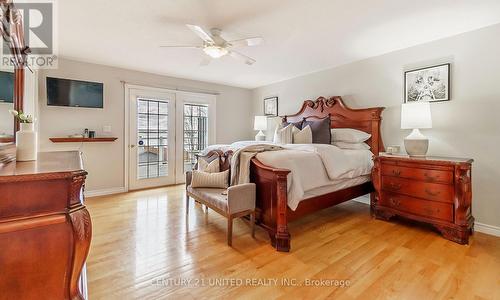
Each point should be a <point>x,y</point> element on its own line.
<point>430,84</point>
<point>271,106</point>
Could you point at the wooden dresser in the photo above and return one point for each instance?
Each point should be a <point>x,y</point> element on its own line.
<point>435,190</point>
<point>45,229</point>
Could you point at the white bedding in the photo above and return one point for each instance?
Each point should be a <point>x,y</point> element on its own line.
<point>324,166</point>
<point>313,167</point>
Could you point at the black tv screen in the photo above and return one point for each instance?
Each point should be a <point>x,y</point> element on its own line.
<point>75,93</point>
<point>6,87</point>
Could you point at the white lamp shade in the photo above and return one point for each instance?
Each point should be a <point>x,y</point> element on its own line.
<point>260,123</point>
<point>416,115</point>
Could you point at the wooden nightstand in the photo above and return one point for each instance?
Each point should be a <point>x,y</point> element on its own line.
<point>435,190</point>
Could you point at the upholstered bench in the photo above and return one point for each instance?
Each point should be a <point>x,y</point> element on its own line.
<point>232,202</point>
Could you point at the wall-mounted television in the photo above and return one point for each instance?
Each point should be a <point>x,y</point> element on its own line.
<point>74,93</point>
<point>6,87</point>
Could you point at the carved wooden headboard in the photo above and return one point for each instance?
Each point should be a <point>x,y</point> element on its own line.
<point>341,116</point>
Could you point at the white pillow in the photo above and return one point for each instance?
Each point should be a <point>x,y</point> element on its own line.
<point>212,167</point>
<point>349,135</point>
<point>352,146</point>
<point>304,136</point>
<point>283,135</point>
<point>210,180</point>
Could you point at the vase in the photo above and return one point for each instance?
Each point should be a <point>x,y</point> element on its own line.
<point>26,140</point>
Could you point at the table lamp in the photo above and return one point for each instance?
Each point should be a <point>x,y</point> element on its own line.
<point>416,116</point>
<point>260,124</point>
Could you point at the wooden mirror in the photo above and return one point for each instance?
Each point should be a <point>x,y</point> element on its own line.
<point>7,79</point>
<point>11,76</point>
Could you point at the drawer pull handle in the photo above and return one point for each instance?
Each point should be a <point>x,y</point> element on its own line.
<point>395,186</point>
<point>394,202</point>
<point>396,172</point>
<point>431,193</point>
<point>431,178</point>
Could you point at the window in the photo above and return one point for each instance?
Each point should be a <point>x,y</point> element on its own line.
<point>152,138</point>
<point>195,132</point>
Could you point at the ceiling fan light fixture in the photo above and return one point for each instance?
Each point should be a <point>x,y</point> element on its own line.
<point>215,51</point>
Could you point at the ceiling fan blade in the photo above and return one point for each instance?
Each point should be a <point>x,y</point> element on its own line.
<point>205,36</point>
<point>253,41</point>
<point>248,60</point>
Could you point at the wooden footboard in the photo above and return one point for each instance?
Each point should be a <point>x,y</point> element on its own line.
<point>272,202</point>
<point>272,209</point>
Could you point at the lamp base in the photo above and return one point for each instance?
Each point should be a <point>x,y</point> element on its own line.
<point>260,137</point>
<point>416,144</point>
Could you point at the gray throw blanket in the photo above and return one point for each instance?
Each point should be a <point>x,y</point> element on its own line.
<point>240,162</point>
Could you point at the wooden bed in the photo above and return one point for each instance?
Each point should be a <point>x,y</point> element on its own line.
<point>273,212</point>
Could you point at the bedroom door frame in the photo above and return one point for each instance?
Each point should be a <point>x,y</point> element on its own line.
<point>181,98</point>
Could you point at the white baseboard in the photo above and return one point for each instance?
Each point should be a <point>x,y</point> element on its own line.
<point>104,192</point>
<point>487,229</point>
<point>363,199</point>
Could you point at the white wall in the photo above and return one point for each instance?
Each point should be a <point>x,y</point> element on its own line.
<point>105,162</point>
<point>466,126</point>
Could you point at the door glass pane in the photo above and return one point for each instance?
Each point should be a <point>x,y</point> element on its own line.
<point>142,106</point>
<point>152,134</point>
<point>163,108</point>
<point>195,133</point>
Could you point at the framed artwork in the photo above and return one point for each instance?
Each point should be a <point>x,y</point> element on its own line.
<point>271,106</point>
<point>431,84</point>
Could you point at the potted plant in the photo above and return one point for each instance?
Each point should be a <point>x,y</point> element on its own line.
<point>26,137</point>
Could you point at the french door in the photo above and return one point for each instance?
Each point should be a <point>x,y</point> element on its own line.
<point>166,131</point>
<point>152,139</point>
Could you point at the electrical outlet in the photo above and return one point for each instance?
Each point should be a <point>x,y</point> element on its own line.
<point>106,129</point>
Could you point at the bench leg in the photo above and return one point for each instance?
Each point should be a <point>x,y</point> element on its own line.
<point>187,204</point>
<point>252,223</point>
<point>229,230</point>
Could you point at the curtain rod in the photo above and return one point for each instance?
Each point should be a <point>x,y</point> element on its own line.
<point>172,88</point>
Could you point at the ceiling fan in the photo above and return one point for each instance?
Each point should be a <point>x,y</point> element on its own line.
<point>215,46</point>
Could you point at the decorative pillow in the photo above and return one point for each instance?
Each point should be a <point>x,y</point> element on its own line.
<point>210,180</point>
<point>352,146</point>
<point>320,130</point>
<point>303,136</point>
<point>297,125</point>
<point>283,135</point>
<point>349,135</point>
<point>209,167</point>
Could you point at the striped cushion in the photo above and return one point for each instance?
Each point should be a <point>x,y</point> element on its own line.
<point>210,180</point>
<point>209,167</point>
<point>303,136</point>
<point>283,135</point>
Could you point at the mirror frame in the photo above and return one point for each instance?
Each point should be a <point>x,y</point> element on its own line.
<point>13,35</point>
<point>18,95</point>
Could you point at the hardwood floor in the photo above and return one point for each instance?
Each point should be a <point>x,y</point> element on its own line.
<point>143,246</point>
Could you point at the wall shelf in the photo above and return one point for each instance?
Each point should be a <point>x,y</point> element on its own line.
<point>6,139</point>
<point>83,140</point>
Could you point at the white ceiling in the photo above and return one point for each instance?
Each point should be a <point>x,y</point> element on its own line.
<point>301,36</point>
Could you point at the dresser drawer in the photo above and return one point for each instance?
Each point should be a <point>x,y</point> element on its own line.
<point>426,190</point>
<point>416,206</point>
<point>418,174</point>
